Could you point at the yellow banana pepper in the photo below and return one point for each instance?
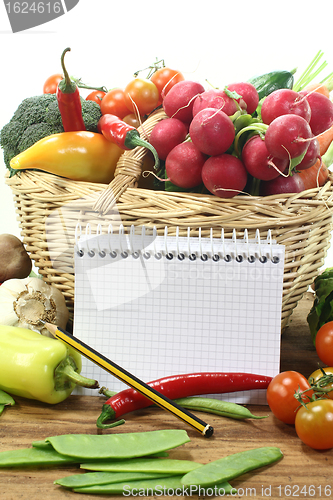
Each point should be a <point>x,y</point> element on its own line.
<point>80,156</point>
<point>37,367</point>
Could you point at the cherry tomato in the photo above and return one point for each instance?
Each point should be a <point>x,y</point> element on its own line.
<point>280,395</point>
<point>314,424</point>
<point>324,343</point>
<point>165,79</point>
<point>113,103</point>
<point>141,96</point>
<point>132,120</point>
<point>51,83</point>
<point>317,374</point>
<point>96,96</point>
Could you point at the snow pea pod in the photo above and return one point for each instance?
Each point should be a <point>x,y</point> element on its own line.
<point>218,407</point>
<point>101,478</point>
<point>127,445</point>
<point>42,444</point>
<point>41,453</point>
<point>165,465</point>
<point>151,487</point>
<point>31,457</point>
<point>5,400</point>
<point>47,446</point>
<point>232,466</point>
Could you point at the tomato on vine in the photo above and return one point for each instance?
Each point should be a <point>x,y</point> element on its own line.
<point>51,83</point>
<point>281,395</point>
<point>141,96</point>
<point>165,79</point>
<point>133,120</point>
<point>318,377</point>
<point>96,96</point>
<point>324,343</point>
<point>113,103</point>
<point>314,424</point>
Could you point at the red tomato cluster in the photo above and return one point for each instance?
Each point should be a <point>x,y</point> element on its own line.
<point>131,104</point>
<point>314,419</point>
<point>140,96</point>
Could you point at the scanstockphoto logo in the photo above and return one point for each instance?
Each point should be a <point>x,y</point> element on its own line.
<point>27,14</point>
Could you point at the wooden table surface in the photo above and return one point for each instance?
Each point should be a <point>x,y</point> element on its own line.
<point>302,473</point>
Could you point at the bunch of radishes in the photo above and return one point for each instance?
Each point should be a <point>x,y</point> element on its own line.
<point>200,140</point>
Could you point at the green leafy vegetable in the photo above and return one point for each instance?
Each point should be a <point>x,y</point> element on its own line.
<point>322,309</point>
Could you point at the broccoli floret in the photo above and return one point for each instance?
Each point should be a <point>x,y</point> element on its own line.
<point>91,113</point>
<point>52,115</point>
<point>37,130</point>
<point>37,117</point>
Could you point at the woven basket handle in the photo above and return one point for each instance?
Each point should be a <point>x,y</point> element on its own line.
<point>128,169</point>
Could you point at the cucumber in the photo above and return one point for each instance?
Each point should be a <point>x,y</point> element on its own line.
<point>269,82</point>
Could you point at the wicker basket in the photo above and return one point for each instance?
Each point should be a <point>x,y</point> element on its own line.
<point>49,208</point>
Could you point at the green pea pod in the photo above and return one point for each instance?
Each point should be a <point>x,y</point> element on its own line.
<point>129,445</point>
<point>31,457</point>
<point>101,478</point>
<point>5,400</point>
<point>42,445</point>
<point>229,467</point>
<point>157,487</point>
<point>166,465</point>
<point>218,407</point>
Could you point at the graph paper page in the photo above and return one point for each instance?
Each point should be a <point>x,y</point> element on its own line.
<point>157,316</point>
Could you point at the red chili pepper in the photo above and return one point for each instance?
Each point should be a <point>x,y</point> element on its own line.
<point>181,386</point>
<point>123,135</point>
<point>69,102</point>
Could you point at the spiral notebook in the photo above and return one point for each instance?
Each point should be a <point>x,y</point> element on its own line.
<point>160,305</point>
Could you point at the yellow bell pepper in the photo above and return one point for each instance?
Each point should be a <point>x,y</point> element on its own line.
<point>80,156</point>
<point>37,367</point>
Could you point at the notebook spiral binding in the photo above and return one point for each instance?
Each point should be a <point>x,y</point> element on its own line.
<point>125,244</point>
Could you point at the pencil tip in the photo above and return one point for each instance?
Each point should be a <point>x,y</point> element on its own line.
<point>49,326</point>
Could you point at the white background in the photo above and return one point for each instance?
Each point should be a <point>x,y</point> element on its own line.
<point>215,40</point>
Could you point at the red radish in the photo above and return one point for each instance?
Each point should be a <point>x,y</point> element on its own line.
<point>216,99</point>
<point>259,163</point>
<point>249,95</point>
<point>166,135</point>
<point>311,156</point>
<point>183,165</point>
<point>298,182</point>
<point>178,103</point>
<point>212,131</point>
<point>291,184</point>
<point>283,102</point>
<point>224,175</point>
<point>288,136</point>
<point>321,111</point>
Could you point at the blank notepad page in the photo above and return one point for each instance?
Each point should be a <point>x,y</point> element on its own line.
<point>160,306</point>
